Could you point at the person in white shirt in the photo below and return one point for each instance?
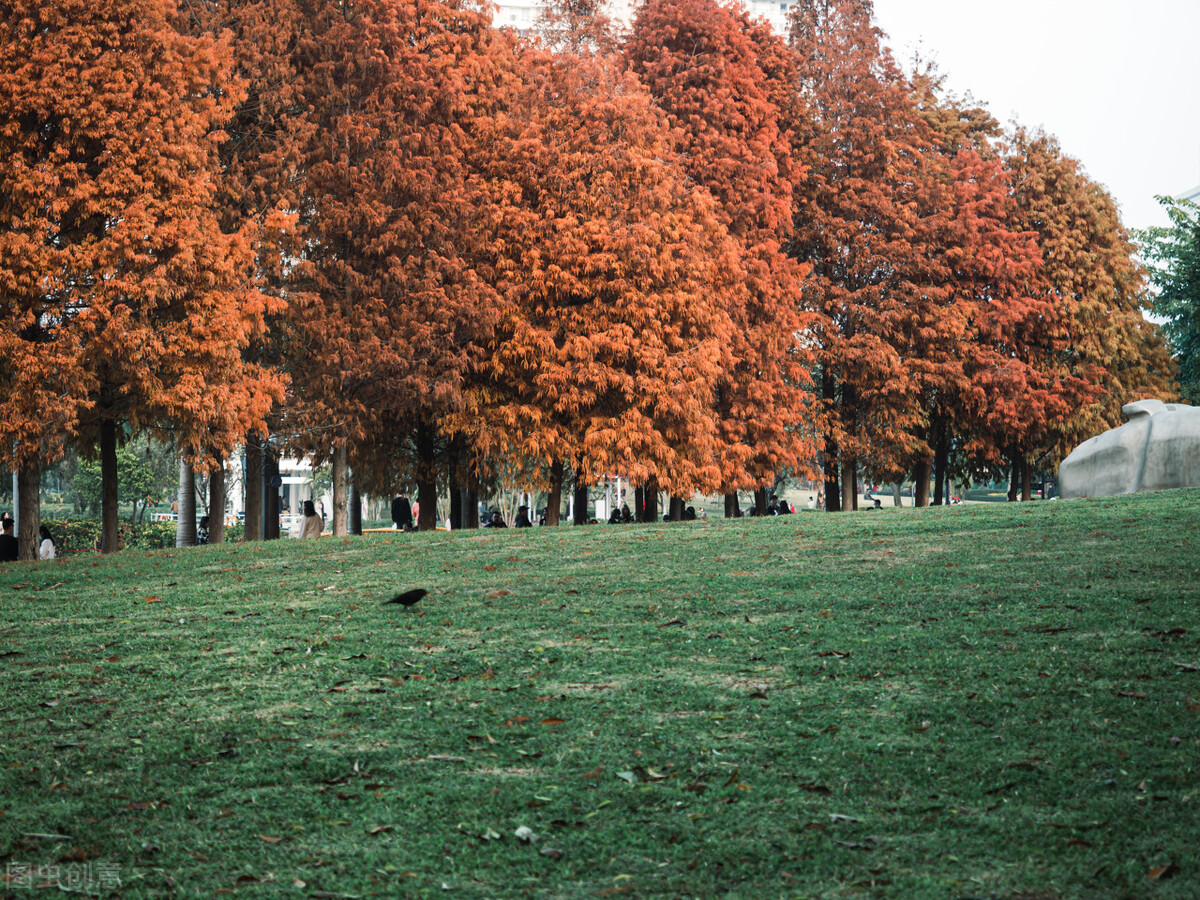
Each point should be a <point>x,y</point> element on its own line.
<point>46,550</point>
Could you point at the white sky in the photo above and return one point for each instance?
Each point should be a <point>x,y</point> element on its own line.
<point>1116,81</point>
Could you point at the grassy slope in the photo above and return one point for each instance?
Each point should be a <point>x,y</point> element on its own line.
<point>982,701</point>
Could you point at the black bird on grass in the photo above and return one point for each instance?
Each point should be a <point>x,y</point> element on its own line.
<point>408,598</point>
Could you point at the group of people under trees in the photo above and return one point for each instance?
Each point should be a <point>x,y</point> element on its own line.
<point>9,547</point>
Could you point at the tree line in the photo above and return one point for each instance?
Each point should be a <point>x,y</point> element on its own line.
<point>692,253</point>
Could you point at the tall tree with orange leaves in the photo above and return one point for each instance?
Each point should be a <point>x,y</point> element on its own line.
<point>1096,349</point>
<point>612,271</point>
<point>858,224</point>
<point>108,145</point>
<point>717,77</point>
<point>965,318</point>
<point>389,309</point>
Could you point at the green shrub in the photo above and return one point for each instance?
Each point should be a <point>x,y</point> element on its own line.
<point>75,535</point>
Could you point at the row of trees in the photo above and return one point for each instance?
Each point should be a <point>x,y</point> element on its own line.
<point>696,255</point>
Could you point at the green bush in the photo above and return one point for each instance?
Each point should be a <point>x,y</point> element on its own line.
<point>74,535</point>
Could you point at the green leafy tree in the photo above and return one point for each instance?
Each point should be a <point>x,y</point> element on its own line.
<point>135,475</point>
<point>1172,256</point>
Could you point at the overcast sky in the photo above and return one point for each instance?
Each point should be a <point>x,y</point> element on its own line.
<point>1116,81</point>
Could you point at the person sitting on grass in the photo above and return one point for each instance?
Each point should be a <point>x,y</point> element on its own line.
<point>522,520</point>
<point>9,545</point>
<point>313,525</point>
<point>495,521</point>
<point>46,550</point>
<point>202,532</point>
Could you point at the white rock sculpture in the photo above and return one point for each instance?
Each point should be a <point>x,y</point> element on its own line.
<point>1158,448</point>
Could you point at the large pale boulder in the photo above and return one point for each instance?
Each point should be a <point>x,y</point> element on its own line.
<point>1158,448</point>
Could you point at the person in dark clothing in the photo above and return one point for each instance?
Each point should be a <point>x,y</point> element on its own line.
<point>402,517</point>
<point>8,543</point>
<point>495,521</point>
<point>522,520</point>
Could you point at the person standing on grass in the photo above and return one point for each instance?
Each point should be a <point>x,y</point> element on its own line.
<point>402,513</point>
<point>313,525</point>
<point>46,550</point>
<point>9,546</point>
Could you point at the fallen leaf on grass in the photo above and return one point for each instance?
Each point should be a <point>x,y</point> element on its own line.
<point>441,758</point>
<point>496,595</point>
<point>671,623</point>
<point>1139,695</point>
<point>270,839</point>
<point>551,853</point>
<point>1187,667</point>
<point>380,829</point>
<point>525,835</point>
<point>1160,872</point>
<point>553,721</point>
<point>838,817</point>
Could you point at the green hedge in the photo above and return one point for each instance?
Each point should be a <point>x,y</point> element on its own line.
<point>75,535</point>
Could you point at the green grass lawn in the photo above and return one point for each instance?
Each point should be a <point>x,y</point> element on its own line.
<point>982,701</point>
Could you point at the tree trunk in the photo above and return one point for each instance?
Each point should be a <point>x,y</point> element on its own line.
<point>473,505</point>
<point>833,497</point>
<point>731,506</point>
<point>1014,485</point>
<point>270,501</point>
<point>252,476</point>
<point>427,500</point>
<point>456,478</point>
<point>650,500</point>
<point>354,513</point>
<point>760,501</point>
<point>941,460</point>
<point>29,509</point>
<point>1026,481</point>
<point>110,528</point>
<point>849,485</point>
<point>676,511</point>
<point>897,495</point>
<point>340,501</point>
<point>456,502</point>
<point>581,502</point>
<point>921,473</point>
<point>554,501</point>
<point>216,504</point>
<point>426,478</point>
<point>185,527</point>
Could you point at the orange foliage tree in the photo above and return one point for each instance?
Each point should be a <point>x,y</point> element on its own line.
<point>109,140</point>
<point>974,298</point>
<point>717,76</point>
<point>1096,350</point>
<point>388,309</point>
<point>858,224</point>
<point>610,267</point>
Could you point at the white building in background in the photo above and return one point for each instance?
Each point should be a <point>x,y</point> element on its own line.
<point>1193,195</point>
<point>522,15</point>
